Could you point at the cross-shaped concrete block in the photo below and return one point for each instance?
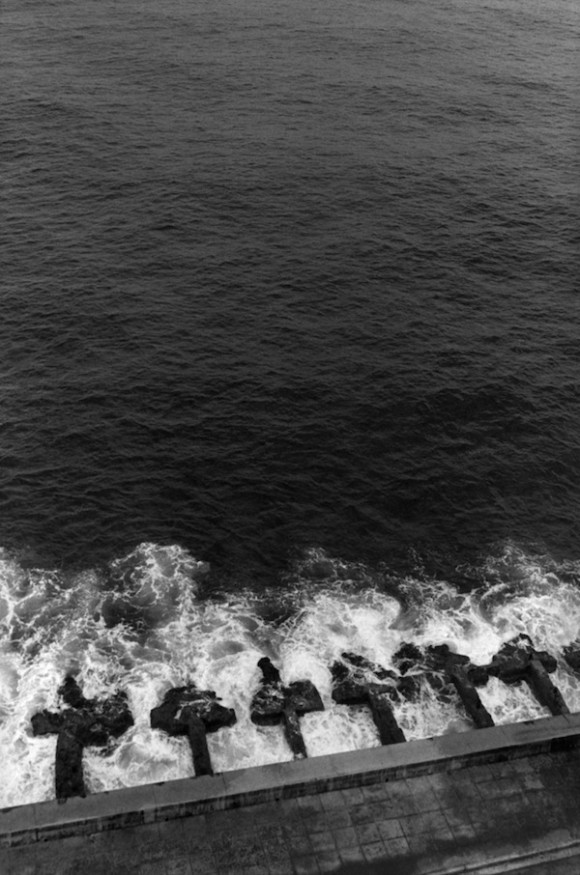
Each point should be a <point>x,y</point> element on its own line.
<point>192,712</point>
<point>447,672</point>
<point>274,703</point>
<point>86,722</point>
<point>518,660</point>
<point>357,681</point>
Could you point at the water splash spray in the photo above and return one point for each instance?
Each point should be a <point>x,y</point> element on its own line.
<point>145,624</point>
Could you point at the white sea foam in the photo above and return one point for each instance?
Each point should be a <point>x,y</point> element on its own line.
<point>146,626</point>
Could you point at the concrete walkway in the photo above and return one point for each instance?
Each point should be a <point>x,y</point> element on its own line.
<point>510,815</point>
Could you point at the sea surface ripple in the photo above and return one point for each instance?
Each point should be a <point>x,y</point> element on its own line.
<point>277,275</point>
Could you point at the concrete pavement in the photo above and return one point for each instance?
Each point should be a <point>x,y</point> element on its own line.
<point>510,814</point>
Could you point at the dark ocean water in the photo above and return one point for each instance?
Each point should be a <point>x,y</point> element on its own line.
<point>277,275</point>
<point>290,288</point>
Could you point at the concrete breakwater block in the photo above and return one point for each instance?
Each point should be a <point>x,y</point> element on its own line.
<point>519,661</point>
<point>276,703</point>
<point>516,662</point>
<point>188,711</point>
<point>357,681</point>
<point>448,673</point>
<point>192,712</point>
<point>86,722</point>
<point>572,656</point>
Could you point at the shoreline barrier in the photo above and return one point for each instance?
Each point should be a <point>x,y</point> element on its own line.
<point>149,803</point>
<point>189,711</point>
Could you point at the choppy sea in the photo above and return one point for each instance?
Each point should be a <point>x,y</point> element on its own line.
<point>289,356</point>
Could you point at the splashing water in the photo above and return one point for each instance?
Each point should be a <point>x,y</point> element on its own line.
<point>145,625</point>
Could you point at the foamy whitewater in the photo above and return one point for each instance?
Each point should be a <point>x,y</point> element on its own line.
<point>145,626</point>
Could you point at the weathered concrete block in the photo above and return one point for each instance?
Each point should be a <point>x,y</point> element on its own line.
<point>572,656</point>
<point>469,696</point>
<point>87,722</point>
<point>544,690</point>
<point>511,662</point>
<point>448,673</point>
<point>276,703</point>
<point>192,712</point>
<point>358,681</point>
<point>519,661</point>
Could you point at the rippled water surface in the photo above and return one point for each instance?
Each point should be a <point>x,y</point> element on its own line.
<point>282,281</point>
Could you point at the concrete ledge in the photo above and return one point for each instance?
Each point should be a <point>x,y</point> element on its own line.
<point>157,802</point>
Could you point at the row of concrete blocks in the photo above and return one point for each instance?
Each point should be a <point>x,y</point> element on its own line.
<point>187,711</point>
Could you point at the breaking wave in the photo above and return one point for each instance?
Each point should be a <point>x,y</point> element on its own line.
<point>151,620</point>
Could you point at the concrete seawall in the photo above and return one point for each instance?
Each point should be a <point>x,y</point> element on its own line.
<point>382,769</point>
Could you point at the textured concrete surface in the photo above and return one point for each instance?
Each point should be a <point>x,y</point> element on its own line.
<point>518,815</point>
<point>151,803</point>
